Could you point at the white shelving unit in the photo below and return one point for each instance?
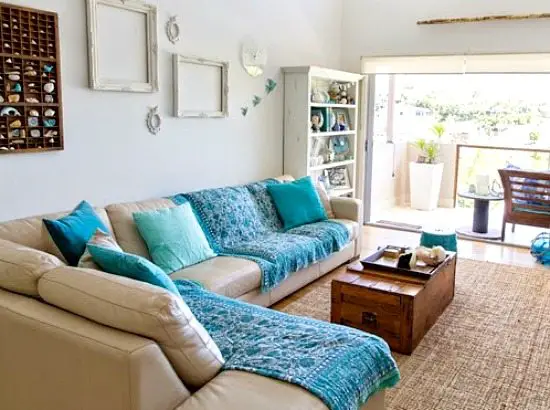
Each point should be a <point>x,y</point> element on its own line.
<point>309,152</point>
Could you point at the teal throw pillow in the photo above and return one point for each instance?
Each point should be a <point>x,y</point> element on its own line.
<point>72,232</point>
<point>174,237</point>
<point>297,202</point>
<point>131,266</point>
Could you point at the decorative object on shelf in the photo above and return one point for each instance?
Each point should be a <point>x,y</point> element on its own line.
<point>33,122</point>
<point>49,113</point>
<point>338,178</point>
<point>108,52</point>
<point>14,76</point>
<point>48,68</point>
<point>49,123</point>
<point>320,96</point>
<point>154,120</point>
<point>173,30</point>
<point>342,119</point>
<point>339,144</point>
<point>15,124</point>
<point>36,133</point>
<point>254,58</point>
<point>338,92</point>
<point>49,87</point>
<point>17,88</point>
<point>317,120</point>
<point>10,111</point>
<point>14,98</point>
<point>31,100</point>
<point>509,17</point>
<point>212,102</point>
<point>34,113</point>
<point>48,99</point>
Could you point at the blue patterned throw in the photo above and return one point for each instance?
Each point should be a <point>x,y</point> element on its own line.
<point>242,221</point>
<point>340,365</point>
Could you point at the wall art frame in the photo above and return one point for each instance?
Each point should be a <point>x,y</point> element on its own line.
<point>173,30</point>
<point>151,63</point>
<point>184,106</point>
<point>153,120</point>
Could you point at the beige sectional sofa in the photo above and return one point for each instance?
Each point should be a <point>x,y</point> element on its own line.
<point>54,359</point>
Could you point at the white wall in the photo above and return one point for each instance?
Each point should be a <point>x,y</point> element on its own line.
<point>109,156</point>
<point>388,28</point>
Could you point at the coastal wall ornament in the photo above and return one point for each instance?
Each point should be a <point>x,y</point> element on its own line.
<point>173,30</point>
<point>154,120</point>
<point>270,85</point>
<point>254,59</point>
<point>201,87</point>
<point>128,61</point>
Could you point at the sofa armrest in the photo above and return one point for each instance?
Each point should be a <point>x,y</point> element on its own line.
<point>69,362</point>
<point>348,208</point>
<point>21,267</point>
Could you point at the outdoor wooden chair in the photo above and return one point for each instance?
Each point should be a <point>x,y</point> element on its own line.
<point>526,198</point>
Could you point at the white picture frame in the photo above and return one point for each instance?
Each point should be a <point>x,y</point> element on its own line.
<point>201,87</point>
<point>126,63</point>
<point>338,178</point>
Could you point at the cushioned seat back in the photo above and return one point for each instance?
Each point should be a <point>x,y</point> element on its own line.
<point>139,308</point>
<point>31,231</point>
<point>125,229</point>
<point>21,267</point>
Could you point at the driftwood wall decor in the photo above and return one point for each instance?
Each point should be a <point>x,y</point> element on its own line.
<point>457,20</point>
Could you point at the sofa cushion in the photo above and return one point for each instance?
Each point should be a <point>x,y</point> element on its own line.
<point>174,238</point>
<point>131,266</point>
<point>352,227</point>
<point>228,276</point>
<point>102,239</point>
<point>71,233</point>
<point>138,308</point>
<point>21,267</point>
<point>124,227</point>
<point>31,231</point>
<point>297,202</point>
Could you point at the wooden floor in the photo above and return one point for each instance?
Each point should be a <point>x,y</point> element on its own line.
<point>489,252</point>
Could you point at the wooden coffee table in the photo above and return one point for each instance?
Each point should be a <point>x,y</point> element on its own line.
<point>400,309</point>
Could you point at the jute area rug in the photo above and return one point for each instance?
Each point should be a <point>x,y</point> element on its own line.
<point>490,350</point>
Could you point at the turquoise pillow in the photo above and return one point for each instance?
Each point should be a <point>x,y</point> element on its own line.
<point>72,232</point>
<point>174,237</point>
<point>297,202</point>
<point>131,266</point>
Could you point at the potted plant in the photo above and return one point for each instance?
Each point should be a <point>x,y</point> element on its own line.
<point>426,173</point>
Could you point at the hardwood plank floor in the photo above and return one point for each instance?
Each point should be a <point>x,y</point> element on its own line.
<point>481,251</point>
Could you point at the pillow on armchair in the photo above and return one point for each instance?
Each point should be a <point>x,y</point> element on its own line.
<point>297,202</point>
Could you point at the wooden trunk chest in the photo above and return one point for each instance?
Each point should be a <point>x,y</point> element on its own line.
<point>400,309</point>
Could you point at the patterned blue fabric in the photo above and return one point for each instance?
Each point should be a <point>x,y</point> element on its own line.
<point>340,365</point>
<point>242,221</point>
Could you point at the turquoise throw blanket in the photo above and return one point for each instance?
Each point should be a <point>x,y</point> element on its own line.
<point>340,365</point>
<point>242,221</point>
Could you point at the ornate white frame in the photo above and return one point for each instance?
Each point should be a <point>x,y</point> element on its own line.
<point>173,30</point>
<point>179,111</point>
<point>154,120</point>
<point>152,47</point>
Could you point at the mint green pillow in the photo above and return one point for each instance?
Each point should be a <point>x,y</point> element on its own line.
<point>131,266</point>
<point>174,237</point>
<point>297,202</point>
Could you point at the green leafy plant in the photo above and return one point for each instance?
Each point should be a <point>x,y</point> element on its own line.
<point>430,149</point>
<point>438,130</point>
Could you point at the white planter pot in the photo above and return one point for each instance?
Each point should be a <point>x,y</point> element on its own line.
<point>425,182</point>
